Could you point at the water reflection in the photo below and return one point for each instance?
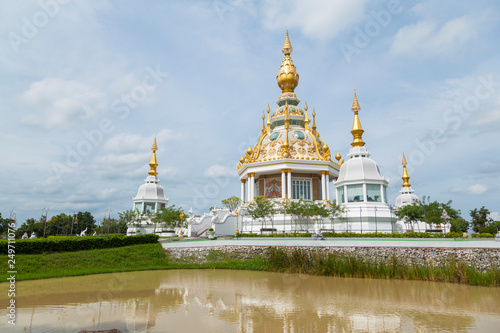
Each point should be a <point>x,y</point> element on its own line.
<point>244,301</point>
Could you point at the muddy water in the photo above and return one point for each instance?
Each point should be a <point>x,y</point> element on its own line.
<point>244,301</point>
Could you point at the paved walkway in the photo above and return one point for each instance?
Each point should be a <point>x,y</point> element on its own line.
<point>335,242</point>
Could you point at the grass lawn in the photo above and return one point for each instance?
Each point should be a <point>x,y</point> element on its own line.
<point>128,258</point>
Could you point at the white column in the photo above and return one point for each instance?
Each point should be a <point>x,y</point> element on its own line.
<point>242,190</point>
<point>327,178</point>
<point>364,192</point>
<point>283,184</point>
<point>252,186</point>
<point>323,186</point>
<point>289,185</point>
<point>249,189</point>
<point>382,193</point>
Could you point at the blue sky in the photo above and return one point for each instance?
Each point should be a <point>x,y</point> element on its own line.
<point>85,86</point>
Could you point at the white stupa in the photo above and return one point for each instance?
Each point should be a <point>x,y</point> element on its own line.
<point>407,196</point>
<point>361,188</point>
<point>150,196</point>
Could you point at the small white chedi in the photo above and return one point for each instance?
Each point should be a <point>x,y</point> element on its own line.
<point>150,199</point>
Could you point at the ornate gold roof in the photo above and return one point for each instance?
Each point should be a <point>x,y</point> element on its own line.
<point>287,132</point>
<point>357,130</point>
<point>405,177</point>
<point>153,164</point>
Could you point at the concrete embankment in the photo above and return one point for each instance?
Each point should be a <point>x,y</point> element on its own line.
<point>482,254</point>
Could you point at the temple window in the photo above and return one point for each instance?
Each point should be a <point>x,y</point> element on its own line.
<point>301,188</point>
<point>373,193</point>
<point>355,193</point>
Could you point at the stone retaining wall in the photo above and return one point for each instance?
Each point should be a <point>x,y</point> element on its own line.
<point>483,259</point>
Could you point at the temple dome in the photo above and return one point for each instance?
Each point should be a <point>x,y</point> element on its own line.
<point>359,167</point>
<point>151,190</point>
<point>407,197</point>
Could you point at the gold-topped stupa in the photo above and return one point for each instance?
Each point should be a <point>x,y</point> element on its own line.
<point>288,145</point>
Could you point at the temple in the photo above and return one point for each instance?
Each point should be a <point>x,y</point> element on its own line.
<point>289,160</point>
<point>288,163</point>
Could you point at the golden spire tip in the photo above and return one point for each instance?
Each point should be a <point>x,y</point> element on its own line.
<point>287,46</point>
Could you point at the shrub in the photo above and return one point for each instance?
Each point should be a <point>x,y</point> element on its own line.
<point>73,243</point>
<point>483,235</point>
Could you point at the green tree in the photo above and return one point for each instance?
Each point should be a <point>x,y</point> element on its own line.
<point>84,220</point>
<point>4,225</point>
<point>231,203</point>
<point>169,217</point>
<point>411,214</point>
<point>112,226</point>
<point>29,226</point>
<point>480,219</point>
<point>459,225</point>
<point>59,225</point>
<point>261,208</point>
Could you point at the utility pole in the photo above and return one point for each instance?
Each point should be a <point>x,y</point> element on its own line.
<point>73,221</point>
<point>44,217</point>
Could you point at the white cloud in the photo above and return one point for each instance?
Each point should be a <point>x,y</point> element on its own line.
<point>476,189</point>
<point>134,143</point>
<point>218,170</point>
<point>495,216</point>
<point>429,38</point>
<point>60,103</point>
<point>322,19</point>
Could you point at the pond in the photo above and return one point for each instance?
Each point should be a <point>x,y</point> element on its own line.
<point>247,301</point>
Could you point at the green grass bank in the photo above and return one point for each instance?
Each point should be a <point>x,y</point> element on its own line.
<point>153,257</point>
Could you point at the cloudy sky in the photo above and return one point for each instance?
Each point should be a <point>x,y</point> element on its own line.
<point>85,86</point>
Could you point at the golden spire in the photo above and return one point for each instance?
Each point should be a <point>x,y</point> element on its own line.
<point>287,76</point>
<point>153,164</point>
<point>357,130</point>
<point>287,47</point>
<point>405,177</point>
<point>314,132</point>
<point>268,119</point>
<point>264,130</point>
<point>306,120</point>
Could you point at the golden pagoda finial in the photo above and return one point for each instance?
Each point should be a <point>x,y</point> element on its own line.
<point>287,46</point>
<point>314,132</point>
<point>287,77</point>
<point>268,119</point>
<point>153,164</point>
<point>405,177</point>
<point>306,120</point>
<point>357,130</point>
<point>338,156</point>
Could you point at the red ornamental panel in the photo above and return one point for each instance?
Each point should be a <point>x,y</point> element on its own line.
<point>272,188</point>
